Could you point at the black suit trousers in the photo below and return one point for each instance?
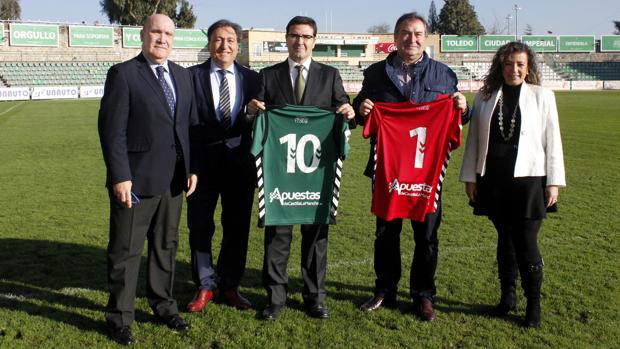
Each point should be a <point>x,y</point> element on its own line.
<point>423,265</point>
<point>155,219</point>
<point>313,262</point>
<point>229,182</point>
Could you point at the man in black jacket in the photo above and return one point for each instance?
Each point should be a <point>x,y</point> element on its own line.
<point>144,120</point>
<point>221,148</point>
<point>303,81</point>
<point>408,73</point>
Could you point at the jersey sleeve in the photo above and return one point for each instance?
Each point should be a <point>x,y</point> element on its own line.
<point>344,144</point>
<point>258,134</point>
<point>456,129</point>
<point>372,122</point>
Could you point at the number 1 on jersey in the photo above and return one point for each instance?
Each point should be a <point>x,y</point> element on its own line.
<point>420,145</point>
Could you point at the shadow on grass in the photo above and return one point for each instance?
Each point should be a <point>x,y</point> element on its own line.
<point>65,281</point>
<point>60,281</point>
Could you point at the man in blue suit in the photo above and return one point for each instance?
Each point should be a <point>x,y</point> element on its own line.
<point>221,148</point>
<point>144,120</point>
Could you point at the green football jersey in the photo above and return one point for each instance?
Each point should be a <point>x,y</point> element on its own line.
<point>299,152</point>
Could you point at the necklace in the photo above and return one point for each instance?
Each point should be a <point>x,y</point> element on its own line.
<point>500,119</point>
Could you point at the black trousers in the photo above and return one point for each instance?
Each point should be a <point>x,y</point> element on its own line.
<point>237,198</point>
<point>155,219</point>
<point>423,265</point>
<point>313,262</point>
<point>517,248</point>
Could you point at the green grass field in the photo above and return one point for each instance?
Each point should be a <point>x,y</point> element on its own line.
<point>53,234</point>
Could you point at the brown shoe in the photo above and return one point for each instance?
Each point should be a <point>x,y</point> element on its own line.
<point>377,301</point>
<point>203,297</point>
<point>234,299</point>
<point>424,308</point>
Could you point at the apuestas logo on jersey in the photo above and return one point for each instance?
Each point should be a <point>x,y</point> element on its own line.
<point>410,189</point>
<point>295,198</point>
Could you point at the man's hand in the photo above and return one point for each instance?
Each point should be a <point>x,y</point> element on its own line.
<point>346,110</point>
<point>122,193</point>
<point>366,107</point>
<point>254,105</point>
<point>460,102</point>
<point>192,180</point>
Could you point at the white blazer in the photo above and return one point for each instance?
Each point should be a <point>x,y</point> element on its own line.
<point>540,147</point>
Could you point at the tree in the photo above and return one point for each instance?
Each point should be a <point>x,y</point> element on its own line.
<point>10,10</point>
<point>379,28</point>
<point>617,24</point>
<point>135,12</point>
<point>495,28</point>
<point>459,17</point>
<point>185,17</point>
<point>528,30</point>
<point>433,19</point>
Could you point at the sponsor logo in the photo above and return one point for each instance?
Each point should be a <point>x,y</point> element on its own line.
<point>410,189</point>
<point>295,198</point>
<point>301,120</point>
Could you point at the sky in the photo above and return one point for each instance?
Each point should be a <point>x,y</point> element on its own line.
<point>562,17</point>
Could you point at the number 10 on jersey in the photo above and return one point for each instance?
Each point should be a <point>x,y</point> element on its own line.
<point>295,152</point>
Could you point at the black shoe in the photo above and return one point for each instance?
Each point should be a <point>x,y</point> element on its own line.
<point>272,312</point>
<point>318,311</point>
<point>121,335</point>
<point>532,314</point>
<point>174,322</point>
<point>377,301</point>
<point>507,303</point>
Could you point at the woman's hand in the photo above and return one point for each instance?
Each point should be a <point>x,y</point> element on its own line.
<point>470,190</point>
<point>551,194</point>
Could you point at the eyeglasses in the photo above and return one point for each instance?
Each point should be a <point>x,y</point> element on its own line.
<point>299,36</point>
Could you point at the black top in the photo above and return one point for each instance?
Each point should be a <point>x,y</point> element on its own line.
<point>499,193</point>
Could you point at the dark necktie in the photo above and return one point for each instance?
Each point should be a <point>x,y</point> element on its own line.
<point>167,90</point>
<point>300,83</point>
<point>224,100</point>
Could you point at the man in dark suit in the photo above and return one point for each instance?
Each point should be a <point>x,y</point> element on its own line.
<point>221,146</point>
<point>299,80</point>
<point>144,120</point>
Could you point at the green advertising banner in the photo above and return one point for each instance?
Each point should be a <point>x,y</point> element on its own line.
<point>89,36</point>
<point>490,43</point>
<point>541,43</point>
<point>459,43</point>
<point>576,43</point>
<point>190,38</point>
<point>131,37</point>
<point>33,34</point>
<point>610,43</point>
<point>183,38</point>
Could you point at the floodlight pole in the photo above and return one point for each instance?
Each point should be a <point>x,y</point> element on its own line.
<point>508,18</point>
<point>516,8</point>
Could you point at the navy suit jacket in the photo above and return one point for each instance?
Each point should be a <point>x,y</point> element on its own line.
<point>137,129</point>
<point>207,138</point>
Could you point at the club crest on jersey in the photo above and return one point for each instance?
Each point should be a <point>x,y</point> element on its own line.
<point>295,198</point>
<point>410,189</point>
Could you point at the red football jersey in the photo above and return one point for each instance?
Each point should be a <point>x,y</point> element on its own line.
<point>413,145</point>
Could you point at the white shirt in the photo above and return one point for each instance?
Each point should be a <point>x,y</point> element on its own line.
<point>234,90</point>
<point>293,71</point>
<point>167,75</point>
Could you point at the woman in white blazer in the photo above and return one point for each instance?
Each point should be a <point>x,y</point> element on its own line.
<point>512,169</point>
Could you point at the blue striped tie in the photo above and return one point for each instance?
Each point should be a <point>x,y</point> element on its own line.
<point>167,90</point>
